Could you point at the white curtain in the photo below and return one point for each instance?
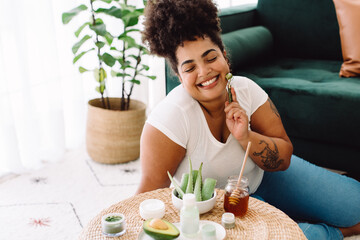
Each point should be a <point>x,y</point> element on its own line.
<point>43,97</point>
<point>42,110</point>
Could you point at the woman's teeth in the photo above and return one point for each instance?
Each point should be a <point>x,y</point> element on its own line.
<point>207,83</point>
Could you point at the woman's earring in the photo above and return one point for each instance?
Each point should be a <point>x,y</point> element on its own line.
<point>229,77</point>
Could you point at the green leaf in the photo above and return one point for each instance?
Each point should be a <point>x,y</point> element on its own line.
<point>118,74</point>
<point>82,70</point>
<point>77,33</point>
<point>131,19</point>
<point>140,11</point>
<point>137,58</point>
<point>124,34</point>
<point>146,67</point>
<point>100,75</point>
<point>77,45</point>
<point>123,64</point>
<point>135,81</point>
<point>133,56</point>
<point>77,57</point>
<point>99,27</point>
<point>67,16</point>
<point>151,77</point>
<point>113,11</point>
<point>100,89</point>
<point>100,44</point>
<point>108,59</point>
<point>144,51</point>
<point>107,1</point>
<point>129,42</point>
<point>109,38</point>
<point>130,15</point>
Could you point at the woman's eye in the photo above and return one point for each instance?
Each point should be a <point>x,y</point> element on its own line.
<point>212,59</point>
<point>189,69</point>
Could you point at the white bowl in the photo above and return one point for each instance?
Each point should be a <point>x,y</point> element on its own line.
<point>203,206</point>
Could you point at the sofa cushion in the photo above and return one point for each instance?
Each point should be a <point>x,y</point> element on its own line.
<point>237,17</point>
<point>247,45</point>
<point>305,29</point>
<point>310,96</point>
<point>349,19</point>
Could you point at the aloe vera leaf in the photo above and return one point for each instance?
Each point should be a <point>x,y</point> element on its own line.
<point>190,186</point>
<point>176,185</point>
<point>184,181</point>
<point>194,173</point>
<point>198,183</point>
<point>208,188</point>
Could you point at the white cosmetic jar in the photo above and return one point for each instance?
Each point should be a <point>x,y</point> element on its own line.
<point>113,224</point>
<point>152,208</point>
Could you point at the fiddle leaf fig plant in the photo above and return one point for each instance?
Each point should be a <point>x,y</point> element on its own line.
<point>119,54</point>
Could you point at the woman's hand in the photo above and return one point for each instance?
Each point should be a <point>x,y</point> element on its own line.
<point>237,120</point>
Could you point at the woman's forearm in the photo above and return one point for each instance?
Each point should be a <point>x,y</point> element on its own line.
<point>269,153</point>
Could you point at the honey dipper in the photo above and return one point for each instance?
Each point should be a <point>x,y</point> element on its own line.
<point>236,194</point>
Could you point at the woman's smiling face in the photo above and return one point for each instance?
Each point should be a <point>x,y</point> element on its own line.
<point>202,68</point>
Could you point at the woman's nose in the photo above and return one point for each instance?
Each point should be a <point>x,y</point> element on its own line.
<point>204,70</point>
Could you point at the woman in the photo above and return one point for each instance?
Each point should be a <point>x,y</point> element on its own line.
<point>196,120</point>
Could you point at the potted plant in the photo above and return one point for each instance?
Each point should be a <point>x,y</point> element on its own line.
<point>114,124</point>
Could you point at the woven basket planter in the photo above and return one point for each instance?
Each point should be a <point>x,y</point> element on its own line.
<point>112,135</point>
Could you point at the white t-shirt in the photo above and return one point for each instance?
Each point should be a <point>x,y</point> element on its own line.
<point>180,118</point>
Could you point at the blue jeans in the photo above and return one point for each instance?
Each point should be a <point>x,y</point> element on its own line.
<point>319,200</point>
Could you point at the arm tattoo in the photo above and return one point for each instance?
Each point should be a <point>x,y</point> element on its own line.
<point>270,158</point>
<point>273,108</point>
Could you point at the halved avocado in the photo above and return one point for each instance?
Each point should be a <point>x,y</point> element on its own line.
<point>170,233</point>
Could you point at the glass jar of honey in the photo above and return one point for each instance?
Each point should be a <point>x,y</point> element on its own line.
<point>236,197</point>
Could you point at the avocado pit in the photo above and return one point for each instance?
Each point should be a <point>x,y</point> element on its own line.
<point>158,224</point>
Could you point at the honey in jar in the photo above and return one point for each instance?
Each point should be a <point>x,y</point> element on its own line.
<point>236,198</point>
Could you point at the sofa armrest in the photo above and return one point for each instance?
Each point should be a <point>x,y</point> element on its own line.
<point>237,17</point>
<point>248,45</point>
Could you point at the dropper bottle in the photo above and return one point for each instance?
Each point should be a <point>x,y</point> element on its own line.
<point>189,216</point>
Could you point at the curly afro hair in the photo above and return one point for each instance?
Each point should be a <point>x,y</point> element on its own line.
<point>168,23</point>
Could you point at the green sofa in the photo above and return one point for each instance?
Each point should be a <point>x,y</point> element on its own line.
<point>291,48</point>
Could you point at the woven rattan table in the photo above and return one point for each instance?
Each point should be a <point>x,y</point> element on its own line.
<point>262,221</point>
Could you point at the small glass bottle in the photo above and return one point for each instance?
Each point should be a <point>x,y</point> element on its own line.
<point>189,216</point>
<point>236,203</point>
<point>228,220</point>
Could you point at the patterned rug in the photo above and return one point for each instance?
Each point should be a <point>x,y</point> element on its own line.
<point>57,201</point>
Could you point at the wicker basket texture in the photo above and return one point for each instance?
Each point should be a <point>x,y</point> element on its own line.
<point>112,135</point>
